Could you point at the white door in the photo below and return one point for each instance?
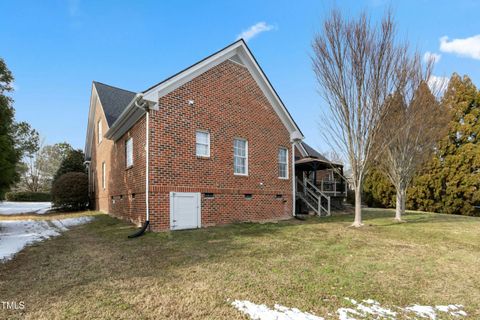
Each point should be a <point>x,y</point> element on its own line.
<point>184,210</point>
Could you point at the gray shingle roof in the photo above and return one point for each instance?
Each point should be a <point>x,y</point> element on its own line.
<point>114,100</point>
<point>314,153</point>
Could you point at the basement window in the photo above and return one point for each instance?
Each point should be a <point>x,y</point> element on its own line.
<point>208,195</point>
<point>279,196</point>
<point>248,196</point>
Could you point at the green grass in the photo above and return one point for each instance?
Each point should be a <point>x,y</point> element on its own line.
<point>94,271</point>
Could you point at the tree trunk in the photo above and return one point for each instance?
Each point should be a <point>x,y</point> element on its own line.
<point>400,205</point>
<point>358,207</point>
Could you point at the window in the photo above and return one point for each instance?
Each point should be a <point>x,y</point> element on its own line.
<point>203,144</point>
<point>248,196</point>
<point>100,131</point>
<point>283,163</point>
<point>208,195</point>
<point>240,157</point>
<point>104,175</point>
<point>129,152</point>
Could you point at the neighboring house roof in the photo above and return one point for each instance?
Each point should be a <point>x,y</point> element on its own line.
<point>114,100</point>
<point>313,153</point>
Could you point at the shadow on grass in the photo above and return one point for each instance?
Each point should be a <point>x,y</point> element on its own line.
<point>183,248</point>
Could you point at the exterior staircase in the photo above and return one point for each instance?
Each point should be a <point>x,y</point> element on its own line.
<point>313,197</point>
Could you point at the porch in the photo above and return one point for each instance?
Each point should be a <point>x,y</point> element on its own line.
<point>324,175</point>
<point>320,185</point>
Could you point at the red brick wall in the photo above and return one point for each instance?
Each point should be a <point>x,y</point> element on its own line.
<point>124,193</point>
<point>100,152</point>
<point>127,186</point>
<point>229,104</point>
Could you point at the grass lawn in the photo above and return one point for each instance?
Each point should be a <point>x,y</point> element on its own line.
<point>94,271</point>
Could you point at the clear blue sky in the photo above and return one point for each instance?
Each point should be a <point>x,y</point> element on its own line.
<point>56,48</point>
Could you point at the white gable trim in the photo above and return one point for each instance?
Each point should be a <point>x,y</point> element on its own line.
<point>132,113</point>
<point>167,86</point>
<point>238,48</point>
<point>91,125</point>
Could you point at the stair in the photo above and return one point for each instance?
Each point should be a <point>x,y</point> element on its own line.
<point>315,199</point>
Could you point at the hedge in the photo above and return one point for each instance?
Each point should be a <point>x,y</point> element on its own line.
<point>70,191</point>
<point>28,196</point>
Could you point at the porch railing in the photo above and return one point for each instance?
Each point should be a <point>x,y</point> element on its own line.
<point>333,188</point>
<point>313,197</point>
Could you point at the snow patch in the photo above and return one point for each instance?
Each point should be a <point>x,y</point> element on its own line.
<point>368,308</point>
<point>429,312</point>
<point>12,207</point>
<point>17,234</point>
<point>279,312</point>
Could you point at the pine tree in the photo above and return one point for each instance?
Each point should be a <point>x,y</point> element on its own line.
<point>450,183</point>
<point>9,156</point>
<point>73,162</point>
<point>378,191</point>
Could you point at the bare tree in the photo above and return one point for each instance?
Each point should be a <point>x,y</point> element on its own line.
<point>408,134</point>
<point>355,65</point>
<point>38,168</point>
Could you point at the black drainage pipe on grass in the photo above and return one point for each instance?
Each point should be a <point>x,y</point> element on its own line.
<point>141,231</point>
<point>299,218</point>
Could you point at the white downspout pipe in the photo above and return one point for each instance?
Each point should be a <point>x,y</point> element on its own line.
<point>144,105</point>
<point>295,137</point>
<point>147,169</point>
<point>294,191</point>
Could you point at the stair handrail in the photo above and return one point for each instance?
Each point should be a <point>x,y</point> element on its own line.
<point>316,193</point>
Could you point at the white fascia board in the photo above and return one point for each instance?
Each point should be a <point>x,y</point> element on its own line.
<point>269,92</point>
<point>302,149</point>
<point>91,115</point>
<point>126,120</point>
<point>238,48</point>
<point>180,79</point>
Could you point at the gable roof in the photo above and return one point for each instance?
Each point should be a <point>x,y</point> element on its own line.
<point>114,100</point>
<point>313,153</point>
<point>122,112</point>
<point>237,52</point>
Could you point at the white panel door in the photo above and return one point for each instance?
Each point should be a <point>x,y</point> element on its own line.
<point>184,210</point>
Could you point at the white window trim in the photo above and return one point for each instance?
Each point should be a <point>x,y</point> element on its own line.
<point>278,161</point>
<point>104,175</point>
<point>208,144</point>
<point>127,165</point>
<point>99,131</point>
<point>246,158</point>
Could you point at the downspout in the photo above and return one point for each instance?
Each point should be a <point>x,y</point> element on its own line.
<point>147,167</point>
<point>140,232</point>
<point>295,137</point>
<point>294,182</point>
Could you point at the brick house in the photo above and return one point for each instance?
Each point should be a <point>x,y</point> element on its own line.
<point>212,144</point>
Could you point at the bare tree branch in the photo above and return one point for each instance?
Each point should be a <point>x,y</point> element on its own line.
<point>356,65</point>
